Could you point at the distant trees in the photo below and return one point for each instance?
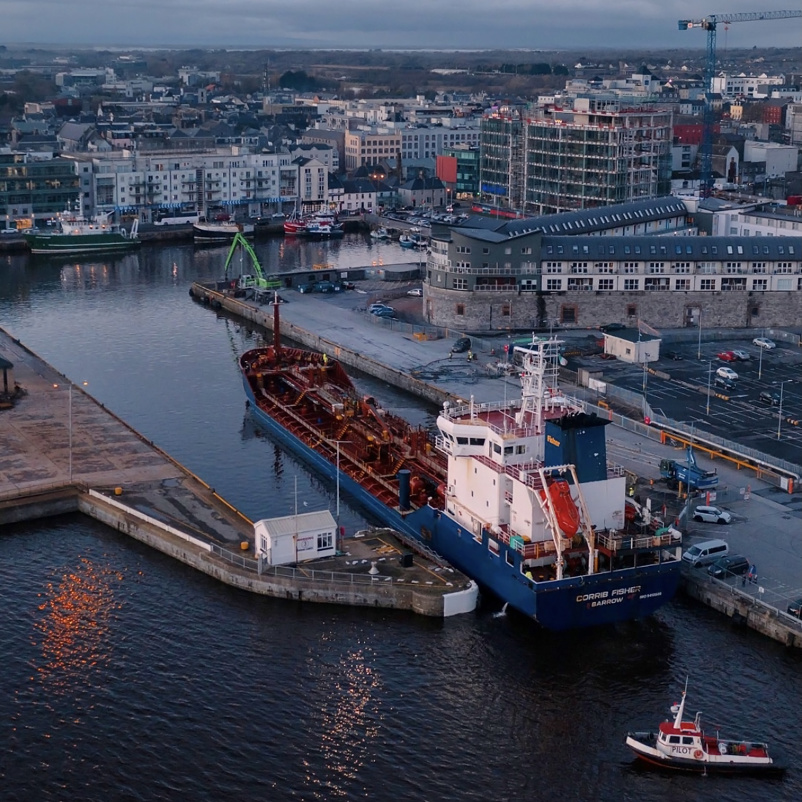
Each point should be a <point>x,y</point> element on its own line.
<point>300,81</point>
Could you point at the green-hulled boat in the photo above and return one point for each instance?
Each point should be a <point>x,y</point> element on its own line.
<point>75,234</point>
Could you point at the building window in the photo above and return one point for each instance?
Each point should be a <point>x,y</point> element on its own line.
<point>631,284</point>
<point>682,284</point>
<point>568,314</point>
<point>632,310</point>
<point>707,284</point>
<point>460,284</point>
<point>606,284</point>
<point>325,540</point>
<point>760,284</point>
<point>554,284</point>
<point>460,309</point>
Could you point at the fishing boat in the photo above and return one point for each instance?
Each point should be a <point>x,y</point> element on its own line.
<point>380,233</point>
<point>73,233</point>
<point>684,746</point>
<point>517,496</point>
<point>413,239</point>
<point>217,231</point>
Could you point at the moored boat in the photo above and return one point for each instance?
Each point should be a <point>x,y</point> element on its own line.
<point>73,233</point>
<point>485,494</point>
<point>684,746</point>
<point>205,231</point>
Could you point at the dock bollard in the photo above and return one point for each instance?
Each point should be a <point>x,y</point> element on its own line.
<point>244,545</point>
<point>118,491</point>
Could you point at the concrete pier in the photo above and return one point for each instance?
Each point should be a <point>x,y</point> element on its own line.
<point>63,452</point>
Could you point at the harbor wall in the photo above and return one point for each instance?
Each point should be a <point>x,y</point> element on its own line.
<point>346,356</point>
<point>41,504</point>
<point>743,608</point>
<point>197,554</point>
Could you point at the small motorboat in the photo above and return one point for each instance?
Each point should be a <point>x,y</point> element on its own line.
<point>684,746</point>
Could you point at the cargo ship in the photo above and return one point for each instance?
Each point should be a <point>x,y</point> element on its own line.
<point>518,496</point>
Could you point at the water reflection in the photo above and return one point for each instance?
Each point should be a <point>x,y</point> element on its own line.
<point>75,625</point>
<point>348,721</point>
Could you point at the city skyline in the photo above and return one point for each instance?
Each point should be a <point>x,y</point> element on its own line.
<point>505,24</point>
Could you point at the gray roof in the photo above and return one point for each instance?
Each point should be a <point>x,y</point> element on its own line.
<point>321,520</point>
<point>673,248</point>
<point>583,221</point>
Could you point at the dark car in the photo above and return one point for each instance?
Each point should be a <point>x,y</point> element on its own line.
<point>724,384</point>
<point>461,345</point>
<point>772,399</point>
<point>731,565</point>
<point>795,607</point>
<point>608,327</point>
<point>675,355</point>
<point>386,312</point>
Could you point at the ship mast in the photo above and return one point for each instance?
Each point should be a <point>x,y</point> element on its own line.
<point>538,380</point>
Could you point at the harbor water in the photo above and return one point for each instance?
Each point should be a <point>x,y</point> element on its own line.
<point>128,676</point>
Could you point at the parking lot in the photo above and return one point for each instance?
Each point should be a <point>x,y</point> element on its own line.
<point>736,413</point>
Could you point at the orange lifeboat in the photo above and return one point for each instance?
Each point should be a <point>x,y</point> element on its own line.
<point>564,508</point>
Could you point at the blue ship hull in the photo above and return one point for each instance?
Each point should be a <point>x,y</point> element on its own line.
<point>575,602</point>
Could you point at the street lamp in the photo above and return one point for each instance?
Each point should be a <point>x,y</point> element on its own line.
<point>760,363</point>
<point>780,410</point>
<point>69,390</point>
<point>699,344</point>
<point>709,373</point>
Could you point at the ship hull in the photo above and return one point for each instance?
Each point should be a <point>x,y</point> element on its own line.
<point>78,243</point>
<point>576,602</point>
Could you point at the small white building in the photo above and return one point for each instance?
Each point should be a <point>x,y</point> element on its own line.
<point>296,538</point>
<point>632,346</point>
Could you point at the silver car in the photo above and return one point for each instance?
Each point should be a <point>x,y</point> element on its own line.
<point>711,515</point>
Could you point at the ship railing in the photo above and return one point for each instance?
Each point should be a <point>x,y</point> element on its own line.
<point>528,549</point>
<point>617,541</point>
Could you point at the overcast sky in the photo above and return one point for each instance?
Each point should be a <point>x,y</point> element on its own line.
<point>446,24</point>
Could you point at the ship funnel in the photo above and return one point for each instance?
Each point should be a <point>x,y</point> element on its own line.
<point>373,569</point>
<point>403,489</point>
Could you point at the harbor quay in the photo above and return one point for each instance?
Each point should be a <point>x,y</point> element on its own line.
<point>63,452</point>
<point>421,365</point>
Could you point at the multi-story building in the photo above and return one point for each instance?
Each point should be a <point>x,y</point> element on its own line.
<point>35,188</point>
<point>756,86</point>
<point>367,146</point>
<point>588,157</point>
<point>151,184</point>
<point>458,168</point>
<point>610,264</point>
<point>501,168</point>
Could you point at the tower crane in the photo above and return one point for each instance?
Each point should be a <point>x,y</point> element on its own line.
<point>710,23</point>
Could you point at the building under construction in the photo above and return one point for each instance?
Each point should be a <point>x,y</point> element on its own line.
<point>594,154</point>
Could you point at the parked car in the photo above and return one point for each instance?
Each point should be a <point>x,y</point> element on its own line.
<point>764,342</point>
<point>795,607</point>
<point>731,565</point>
<point>724,384</point>
<point>767,397</point>
<point>742,356</point>
<point>416,292</point>
<point>675,355</point>
<point>461,345</point>
<point>711,515</point>
<point>726,356</point>
<point>608,327</point>
<point>388,311</point>
<point>375,307</point>
<point>727,373</point>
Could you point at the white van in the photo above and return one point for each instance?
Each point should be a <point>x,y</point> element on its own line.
<point>706,552</point>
